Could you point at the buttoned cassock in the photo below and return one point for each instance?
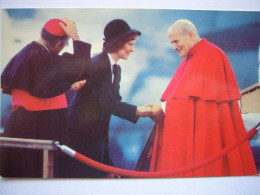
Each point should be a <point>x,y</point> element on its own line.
<point>39,75</point>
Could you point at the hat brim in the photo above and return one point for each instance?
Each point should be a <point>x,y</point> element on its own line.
<point>116,40</point>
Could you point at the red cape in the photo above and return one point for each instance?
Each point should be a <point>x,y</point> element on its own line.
<point>202,117</point>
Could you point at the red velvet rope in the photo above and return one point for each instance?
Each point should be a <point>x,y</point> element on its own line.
<point>167,173</point>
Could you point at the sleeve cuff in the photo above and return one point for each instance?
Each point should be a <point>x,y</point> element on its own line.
<point>163,104</point>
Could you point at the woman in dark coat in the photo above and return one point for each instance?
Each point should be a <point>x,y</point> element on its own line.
<point>91,108</point>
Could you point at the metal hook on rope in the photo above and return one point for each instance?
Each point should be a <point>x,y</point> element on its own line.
<point>65,149</point>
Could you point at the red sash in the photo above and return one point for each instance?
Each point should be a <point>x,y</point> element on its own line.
<point>22,98</point>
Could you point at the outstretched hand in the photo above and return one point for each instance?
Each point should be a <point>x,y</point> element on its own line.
<point>143,111</point>
<point>156,111</point>
<point>78,85</point>
<point>152,110</point>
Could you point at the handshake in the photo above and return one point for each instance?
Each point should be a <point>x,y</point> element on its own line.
<point>152,110</point>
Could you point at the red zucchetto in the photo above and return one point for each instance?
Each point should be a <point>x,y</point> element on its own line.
<point>53,27</point>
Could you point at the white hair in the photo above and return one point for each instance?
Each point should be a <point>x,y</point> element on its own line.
<point>186,26</point>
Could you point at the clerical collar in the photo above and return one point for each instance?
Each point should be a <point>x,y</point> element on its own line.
<point>43,46</point>
<point>111,60</point>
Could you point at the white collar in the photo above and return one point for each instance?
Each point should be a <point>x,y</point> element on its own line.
<point>43,46</point>
<point>111,60</point>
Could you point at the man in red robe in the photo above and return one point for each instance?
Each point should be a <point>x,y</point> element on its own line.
<point>201,112</point>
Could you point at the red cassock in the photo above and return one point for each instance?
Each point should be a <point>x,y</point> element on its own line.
<point>202,117</point>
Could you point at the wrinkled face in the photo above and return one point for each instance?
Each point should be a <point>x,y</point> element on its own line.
<point>180,41</point>
<point>125,51</point>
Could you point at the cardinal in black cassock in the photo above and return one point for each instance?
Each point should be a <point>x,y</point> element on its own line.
<point>38,78</point>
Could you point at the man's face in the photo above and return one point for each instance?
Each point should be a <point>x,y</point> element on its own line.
<point>125,51</point>
<point>180,42</point>
<point>60,46</point>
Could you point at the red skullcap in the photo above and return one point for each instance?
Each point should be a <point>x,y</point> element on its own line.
<point>53,27</point>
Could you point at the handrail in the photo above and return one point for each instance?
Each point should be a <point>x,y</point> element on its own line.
<point>27,143</point>
<point>48,146</point>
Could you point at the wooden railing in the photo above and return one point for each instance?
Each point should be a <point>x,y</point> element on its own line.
<point>48,147</point>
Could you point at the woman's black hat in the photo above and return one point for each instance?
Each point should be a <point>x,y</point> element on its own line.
<point>117,30</point>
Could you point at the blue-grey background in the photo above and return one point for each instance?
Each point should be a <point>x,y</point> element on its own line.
<point>149,69</point>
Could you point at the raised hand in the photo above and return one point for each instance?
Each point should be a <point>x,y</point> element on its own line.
<point>70,29</point>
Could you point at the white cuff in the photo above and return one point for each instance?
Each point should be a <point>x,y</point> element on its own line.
<point>163,104</point>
